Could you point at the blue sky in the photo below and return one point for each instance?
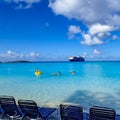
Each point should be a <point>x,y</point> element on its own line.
<point>50,30</point>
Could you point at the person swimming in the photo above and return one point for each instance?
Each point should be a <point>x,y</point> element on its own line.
<point>57,73</point>
<point>37,70</point>
<point>72,72</point>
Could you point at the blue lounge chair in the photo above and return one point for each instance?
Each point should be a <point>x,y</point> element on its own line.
<point>32,111</point>
<point>101,113</point>
<point>9,108</point>
<point>70,112</point>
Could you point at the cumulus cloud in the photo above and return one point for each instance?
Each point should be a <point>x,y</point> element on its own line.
<point>13,56</point>
<point>114,20</point>
<point>97,52</point>
<point>23,4</point>
<point>73,30</point>
<point>103,35</point>
<point>99,28</point>
<point>91,11</point>
<point>34,54</point>
<point>95,34</point>
<point>101,17</point>
<point>89,40</point>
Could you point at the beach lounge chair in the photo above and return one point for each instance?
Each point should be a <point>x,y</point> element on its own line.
<point>70,112</point>
<point>32,111</point>
<point>9,108</point>
<point>101,113</point>
<point>1,112</point>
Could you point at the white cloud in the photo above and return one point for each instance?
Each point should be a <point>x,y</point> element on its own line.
<point>23,4</point>
<point>114,20</point>
<point>102,35</point>
<point>13,56</point>
<point>114,5</point>
<point>61,6</point>
<point>91,11</point>
<point>95,33</point>
<point>34,54</point>
<point>97,51</point>
<point>99,28</point>
<point>89,40</point>
<point>73,30</point>
<point>101,17</point>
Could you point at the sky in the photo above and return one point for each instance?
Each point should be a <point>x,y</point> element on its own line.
<point>54,30</point>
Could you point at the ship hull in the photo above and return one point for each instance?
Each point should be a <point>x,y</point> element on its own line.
<point>76,59</point>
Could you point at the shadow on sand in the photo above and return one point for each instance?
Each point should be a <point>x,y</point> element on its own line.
<point>86,99</point>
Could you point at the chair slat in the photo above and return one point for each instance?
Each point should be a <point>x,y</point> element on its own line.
<point>102,113</point>
<point>70,112</point>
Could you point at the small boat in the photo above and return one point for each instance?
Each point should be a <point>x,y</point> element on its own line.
<point>76,59</point>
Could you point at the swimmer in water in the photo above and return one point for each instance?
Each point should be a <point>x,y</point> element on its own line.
<point>72,72</point>
<point>37,70</point>
<point>56,74</point>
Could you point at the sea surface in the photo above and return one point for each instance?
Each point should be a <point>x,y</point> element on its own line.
<point>94,83</point>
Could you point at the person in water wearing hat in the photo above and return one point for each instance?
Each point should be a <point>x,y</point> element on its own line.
<point>72,72</point>
<point>56,74</point>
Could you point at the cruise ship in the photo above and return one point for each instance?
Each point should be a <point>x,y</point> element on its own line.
<point>76,59</point>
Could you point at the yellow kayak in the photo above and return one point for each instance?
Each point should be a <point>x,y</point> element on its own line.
<point>38,72</point>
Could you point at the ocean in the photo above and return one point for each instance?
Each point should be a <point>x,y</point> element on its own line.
<point>94,83</point>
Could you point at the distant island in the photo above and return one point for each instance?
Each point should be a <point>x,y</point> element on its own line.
<point>18,61</point>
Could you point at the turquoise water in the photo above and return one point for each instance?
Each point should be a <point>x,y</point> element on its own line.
<point>94,83</point>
